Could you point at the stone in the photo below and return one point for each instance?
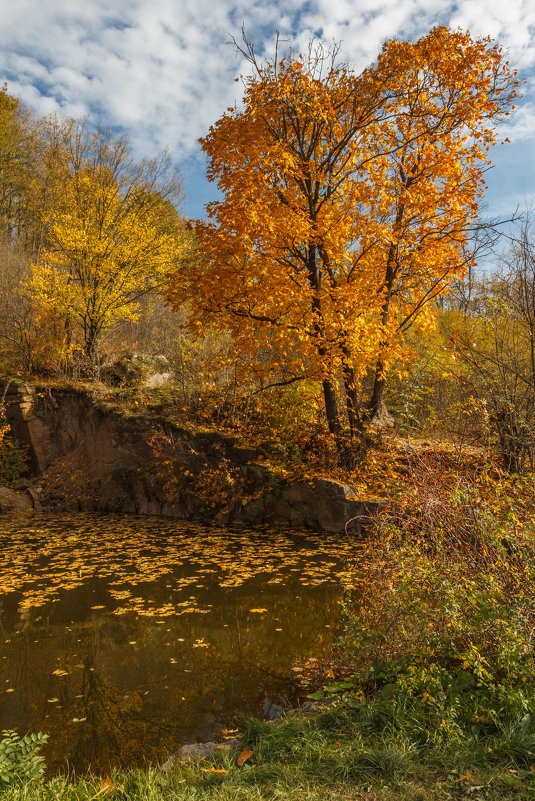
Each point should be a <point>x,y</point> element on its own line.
<point>158,380</point>
<point>90,456</point>
<point>200,751</point>
<point>15,501</point>
<point>382,420</point>
<point>133,368</point>
<point>32,492</point>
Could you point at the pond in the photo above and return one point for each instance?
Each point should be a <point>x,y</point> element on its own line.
<point>125,637</point>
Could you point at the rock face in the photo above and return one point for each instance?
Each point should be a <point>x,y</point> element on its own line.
<point>322,503</point>
<point>15,501</point>
<point>86,455</point>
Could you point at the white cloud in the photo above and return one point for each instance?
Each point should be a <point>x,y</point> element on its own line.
<point>162,71</point>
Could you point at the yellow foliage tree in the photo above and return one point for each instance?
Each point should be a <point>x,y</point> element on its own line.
<point>18,156</point>
<point>112,233</point>
<point>348,202</point>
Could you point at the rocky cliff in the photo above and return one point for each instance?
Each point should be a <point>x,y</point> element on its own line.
<point>86,454</point>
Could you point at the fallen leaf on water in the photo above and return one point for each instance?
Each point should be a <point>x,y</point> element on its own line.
<point>98,607</point>
<point>53,700</point>
<point>60,672</point>
<point>258,610</point>
<point>245,755</point>
<point>10,690</point>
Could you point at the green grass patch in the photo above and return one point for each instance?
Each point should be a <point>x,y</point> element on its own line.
<point>363,751</point>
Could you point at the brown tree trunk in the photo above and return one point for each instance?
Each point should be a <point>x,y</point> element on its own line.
<point>376,400</point>
<point>331,407</point>
<point>350,386</point>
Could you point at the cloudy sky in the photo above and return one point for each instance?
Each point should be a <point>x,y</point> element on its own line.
<point>162,71</point>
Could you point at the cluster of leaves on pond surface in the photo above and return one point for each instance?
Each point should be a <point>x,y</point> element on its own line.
<point>40,562</point>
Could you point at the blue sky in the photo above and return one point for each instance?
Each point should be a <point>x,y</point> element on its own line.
<point>162,71</point>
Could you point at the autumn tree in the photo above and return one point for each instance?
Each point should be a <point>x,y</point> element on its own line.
<point>18,157</point>
<point>348,203</point>
<point>111,231</point>
<point>494,340</point>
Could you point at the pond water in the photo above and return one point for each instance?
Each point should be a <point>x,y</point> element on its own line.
<point>124,637</point>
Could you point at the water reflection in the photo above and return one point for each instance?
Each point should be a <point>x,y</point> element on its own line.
<point>209,624</point>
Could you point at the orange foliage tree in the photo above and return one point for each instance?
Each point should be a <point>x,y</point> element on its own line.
<point>348,202</point>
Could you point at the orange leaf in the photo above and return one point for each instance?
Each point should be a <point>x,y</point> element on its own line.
<point>243,757</point>
<point>107,787</point>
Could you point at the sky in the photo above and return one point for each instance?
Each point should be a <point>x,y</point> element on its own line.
<point>162,71</point>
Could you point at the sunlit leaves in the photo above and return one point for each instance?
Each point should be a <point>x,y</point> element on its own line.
<point>348,202</point>
<point>112,234</point>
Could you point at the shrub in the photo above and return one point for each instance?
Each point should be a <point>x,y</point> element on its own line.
<point>443,607</point>
<point>12,456</point>
<point>20,761</point>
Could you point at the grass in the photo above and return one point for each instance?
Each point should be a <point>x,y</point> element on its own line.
<point>340,753</point>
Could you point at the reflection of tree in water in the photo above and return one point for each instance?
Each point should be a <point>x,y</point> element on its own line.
<point>108,722</point>
<point>99,724</point>
<point>128,688</point>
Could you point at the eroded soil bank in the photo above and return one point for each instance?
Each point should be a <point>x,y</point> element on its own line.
<point>88,454</point>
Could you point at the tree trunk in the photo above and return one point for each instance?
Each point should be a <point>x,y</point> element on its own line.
<point>376,400</point>
<point>331,408</point>
<point>350,386</point>
<point>90,346</point>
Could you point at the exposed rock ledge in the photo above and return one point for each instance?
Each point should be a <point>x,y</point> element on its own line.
<point>87,455</point>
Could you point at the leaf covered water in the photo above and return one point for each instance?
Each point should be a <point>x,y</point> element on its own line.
<point>123,638</point>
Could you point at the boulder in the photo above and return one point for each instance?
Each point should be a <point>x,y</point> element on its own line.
<point>15,501</point>
<point>200,751</point>
<point>134,368</point>
<point>320,503</point>
<point>382,420</point>
<point>158,380</point>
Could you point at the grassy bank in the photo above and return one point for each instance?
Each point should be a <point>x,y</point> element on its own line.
<point>363,752</point>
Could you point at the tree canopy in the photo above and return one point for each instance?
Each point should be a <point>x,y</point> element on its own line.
<point>111,231</point>
<point>18,157</point>
<point>348,203</point>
